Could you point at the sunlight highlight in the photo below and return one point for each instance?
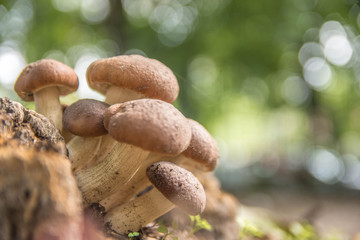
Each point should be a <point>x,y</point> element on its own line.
<point>338,50</point>
<point>11,64</point>
<point>325,166</point>
<point>84,91</point>
<point>317,73</point>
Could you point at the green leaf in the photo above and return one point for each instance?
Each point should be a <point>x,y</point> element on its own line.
<point>133,234</point>
<point>163,229</point>
<point>197,223</point>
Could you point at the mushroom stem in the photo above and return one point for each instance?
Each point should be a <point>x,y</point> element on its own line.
<point>107,143</point>
<point>85,152</point>
<point>99,181</point>
<point>82,150</point>
<point>135,214</point>
<point>140,181</point>
<point>136,184</point>
<point>119,95</point>
<point>48,104</point>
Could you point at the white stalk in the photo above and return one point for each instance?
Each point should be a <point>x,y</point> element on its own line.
<point>119,95</point>
<point>99,181</point>
<point>82,150</point>
<point>137,183</point>
<point>48,104</point>
<point>107,143</point>
<point>135,214</point>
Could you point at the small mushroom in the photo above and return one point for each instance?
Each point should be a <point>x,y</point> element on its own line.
<point>129,77</point>
<point>140,126</point>
<point>174,186</point>
<point>43,82</point>
<point>84,119</point>
<point>201,154</point>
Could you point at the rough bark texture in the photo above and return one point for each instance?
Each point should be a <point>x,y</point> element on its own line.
<point>39,198</point>
<point>23,127</point>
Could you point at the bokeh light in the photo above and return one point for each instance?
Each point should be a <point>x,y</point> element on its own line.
<point>352,175</point>
<point>202,72</point>
<point>93,11</point>
<point>338,50</point>
<point>138,11</point>
<point>309,50</point>
<point>317,73</point>
<point>173,21</point>
<point>295,91</point>
<point>11,64</point>
<point>330,29</point>
<point>326,166</point>
<point>66,5</point>
<point>81,66</point>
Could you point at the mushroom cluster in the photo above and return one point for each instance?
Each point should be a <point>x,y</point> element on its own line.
<point>134,140</point>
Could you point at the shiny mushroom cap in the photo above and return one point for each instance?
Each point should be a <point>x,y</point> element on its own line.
<point>178,185</point>
<point>202,148</point>
<point>135,72</point>
<point>85,118</point>
<point>152,125</point>
<point>45,73</point>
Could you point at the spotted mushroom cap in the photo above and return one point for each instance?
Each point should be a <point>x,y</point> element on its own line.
<point>202,148</point>
<point>138,73</point>
<point>151,124</point>
<point>178,185</point>
<point>85,118</point>
<point>45,73</point>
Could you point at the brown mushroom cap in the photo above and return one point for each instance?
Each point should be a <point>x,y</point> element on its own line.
<point>178,185</point>
<point>151,124</point>
<point>44,73</point>
<point>111,111</point>
<point>202,147</point>
<point>85,118</point>
<point>141,74</point>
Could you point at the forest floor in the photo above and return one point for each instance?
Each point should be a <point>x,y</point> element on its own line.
<point>328,212</point>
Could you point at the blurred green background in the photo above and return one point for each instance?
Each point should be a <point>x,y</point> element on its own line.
<point>275,82</point>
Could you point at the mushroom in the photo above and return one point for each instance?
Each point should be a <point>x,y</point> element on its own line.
<point>84,119</point>
<point>140,126</point>
<point>201,154</point>
<point>129,77</point>
<point>174,186</point>
<point>43,82</point>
